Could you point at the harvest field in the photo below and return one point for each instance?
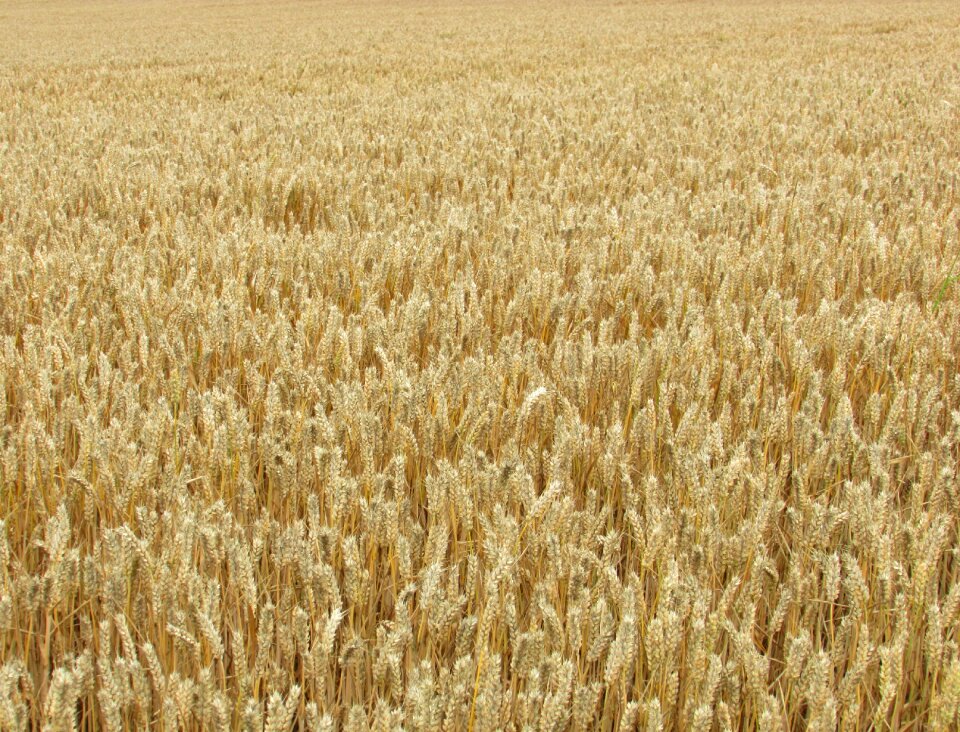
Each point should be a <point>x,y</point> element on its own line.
<point>438,366</point>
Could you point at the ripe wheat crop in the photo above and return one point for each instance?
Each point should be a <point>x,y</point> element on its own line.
<point>438,366</point>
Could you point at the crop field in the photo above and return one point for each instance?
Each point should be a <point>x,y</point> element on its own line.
<point>479,366</point>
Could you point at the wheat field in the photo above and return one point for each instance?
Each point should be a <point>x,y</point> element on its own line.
<point>491,366</point>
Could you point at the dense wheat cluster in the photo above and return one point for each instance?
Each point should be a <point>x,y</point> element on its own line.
<point>440,367</point>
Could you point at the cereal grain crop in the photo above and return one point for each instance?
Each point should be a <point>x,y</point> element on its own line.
<point>479,366</point>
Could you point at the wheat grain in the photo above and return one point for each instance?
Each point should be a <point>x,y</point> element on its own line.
<point>552,366</point>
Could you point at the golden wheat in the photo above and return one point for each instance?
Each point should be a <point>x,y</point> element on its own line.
<point>539,366</point>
